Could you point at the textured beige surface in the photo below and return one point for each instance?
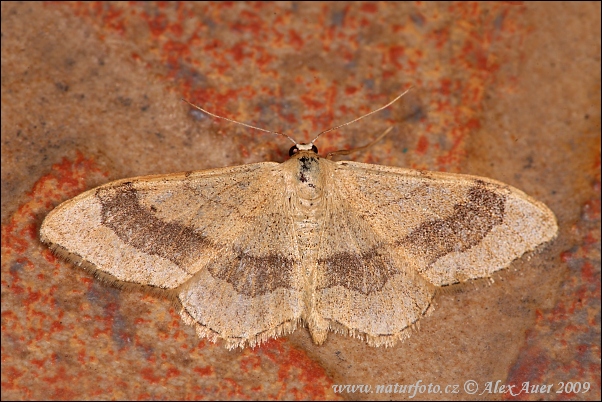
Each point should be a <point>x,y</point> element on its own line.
<point>251,251</point>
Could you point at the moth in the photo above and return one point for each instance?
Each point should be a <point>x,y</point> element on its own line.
<point>251,252</point>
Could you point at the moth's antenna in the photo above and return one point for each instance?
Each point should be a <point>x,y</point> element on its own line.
<point>330,155</point>
<point>238,122</point>
<point>361,117</point>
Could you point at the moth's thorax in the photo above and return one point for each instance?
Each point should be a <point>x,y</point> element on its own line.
<point>307,168</point>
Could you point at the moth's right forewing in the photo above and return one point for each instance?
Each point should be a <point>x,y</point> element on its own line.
<point>450,227</point>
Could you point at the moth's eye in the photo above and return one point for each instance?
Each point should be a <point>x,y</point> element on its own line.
<point>293,150</point>
<point>314,148</point>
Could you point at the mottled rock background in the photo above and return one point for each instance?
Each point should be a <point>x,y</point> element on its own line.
<point>91,92</point>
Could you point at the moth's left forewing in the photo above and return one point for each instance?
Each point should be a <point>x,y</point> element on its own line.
<point>451,227</point>
<point>150,230</point>
<point>90,230</point>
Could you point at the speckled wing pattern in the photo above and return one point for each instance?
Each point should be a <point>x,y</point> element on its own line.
<point>220,241</point>
<point>392,235</point>
<point>250,252</point>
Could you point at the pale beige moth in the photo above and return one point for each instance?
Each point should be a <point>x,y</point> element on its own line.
<point>251,252</point>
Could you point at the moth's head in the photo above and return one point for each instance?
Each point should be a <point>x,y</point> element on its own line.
<point>302,147</point>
